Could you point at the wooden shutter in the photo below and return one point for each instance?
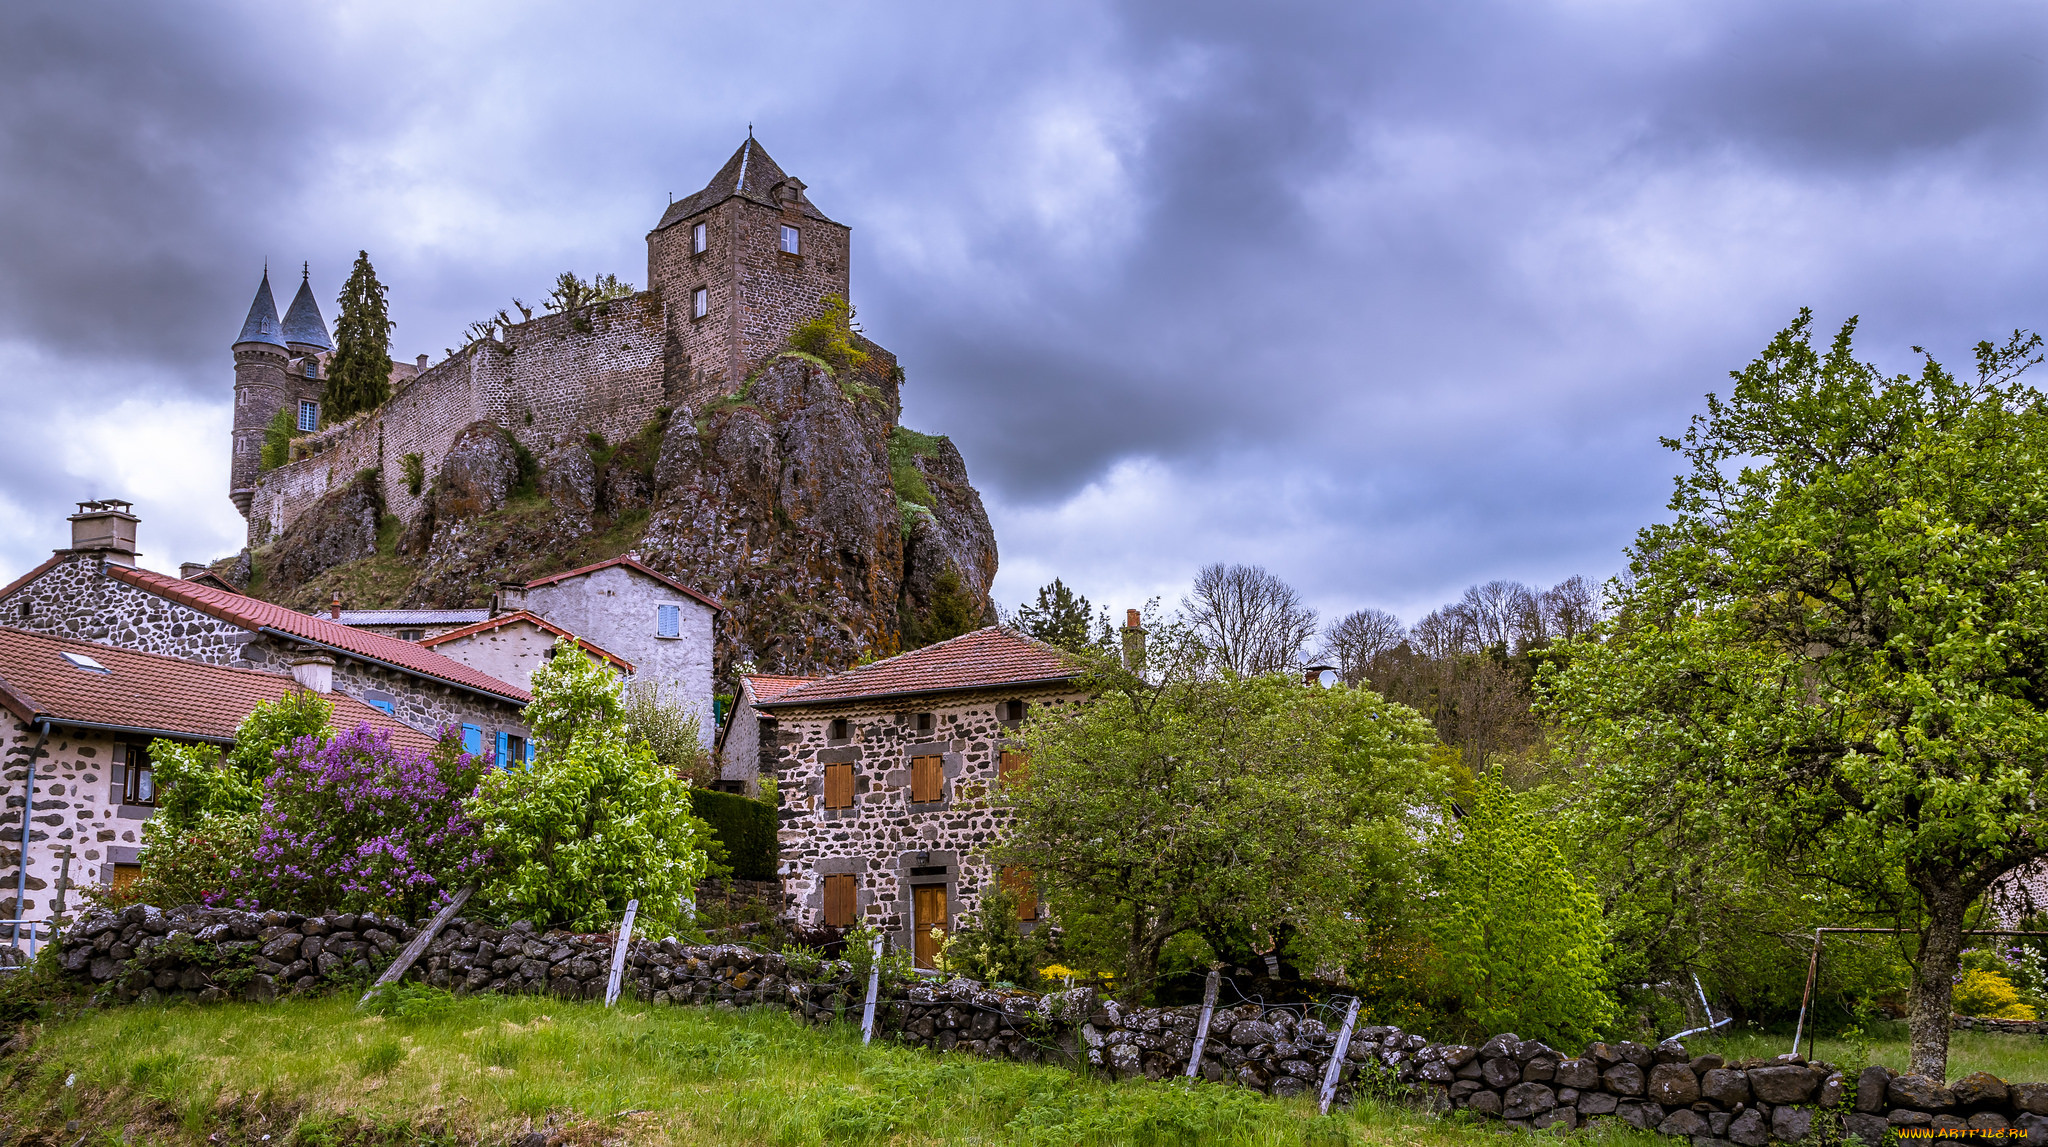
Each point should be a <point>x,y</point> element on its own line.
<point>1013,767</point>
<point>927,779</point>
<point>1020,883</point>
<point>838,786</point>
<point>839,901</point>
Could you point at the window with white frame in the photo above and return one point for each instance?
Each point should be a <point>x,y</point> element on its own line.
<point>309,416</point>
<point>698,241</point>
<point>790,239</point>
<point>668,621</point>
<point>700,303</point>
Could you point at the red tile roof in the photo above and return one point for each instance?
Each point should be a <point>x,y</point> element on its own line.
<point>250,613</point>
<point>630,562</point>
<point>148,693</point>
<point>769,686</point>
<point>505,619</point>
<point>985,659</point>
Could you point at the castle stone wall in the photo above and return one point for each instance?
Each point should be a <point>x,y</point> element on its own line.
<point>597,370</point>
<point>884,836</point>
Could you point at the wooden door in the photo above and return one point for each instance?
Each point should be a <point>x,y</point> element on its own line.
<point>928,903</point>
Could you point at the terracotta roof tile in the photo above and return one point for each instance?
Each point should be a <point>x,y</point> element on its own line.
<point>770,687</point>
<point>634,563</point>
<point>985,659</point>
<point>251,613</point>
<point>504,619</point>
<point>150,693</point>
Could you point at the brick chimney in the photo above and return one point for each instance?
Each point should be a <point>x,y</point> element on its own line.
<point>1134,641</point>
<point>106,528</point>
<point>334,607</point>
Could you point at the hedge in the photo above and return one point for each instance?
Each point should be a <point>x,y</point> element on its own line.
<point>746,828</point>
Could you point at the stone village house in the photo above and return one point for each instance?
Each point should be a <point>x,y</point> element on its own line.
<point>746,741</point>
<point>82,714</point>
<point>94,591</point>
<point>883,776</point>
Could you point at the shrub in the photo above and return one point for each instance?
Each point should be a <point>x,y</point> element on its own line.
<point>595,821</point>
<point>277,439</point>
<point>673,734</point>
<point>745,827</point>
<point>1986,993</point>
<point>1520,943</point>
<point>415,467</point>
<point>831,335</point>
<point>360,824</point>
<point>988,944</point>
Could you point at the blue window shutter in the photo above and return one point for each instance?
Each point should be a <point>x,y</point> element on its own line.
<point>384,705</point>
<point>529,760</point>
<point>503,751</point>
<point>472,739</point>
<point>669,621</point>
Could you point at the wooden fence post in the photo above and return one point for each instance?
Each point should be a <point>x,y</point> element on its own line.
<point>1202,1028</point>
<point>1337,1056</point>
<point>611,990</point>
<point>867,1017</point>
<point>419,943</point>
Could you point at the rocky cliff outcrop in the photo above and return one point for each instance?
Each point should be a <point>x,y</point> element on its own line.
<point>827,530</point>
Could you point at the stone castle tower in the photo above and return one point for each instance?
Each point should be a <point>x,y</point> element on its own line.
<point>731,271</point>
<point>277,366</point>
<point>739,264</point>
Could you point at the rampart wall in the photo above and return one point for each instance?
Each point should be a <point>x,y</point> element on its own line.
<point>596,370</point>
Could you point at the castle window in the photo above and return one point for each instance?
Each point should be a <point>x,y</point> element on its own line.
<point>697,240</point>
<point>790,239</point>
<point>309,416</point>
<point>700,303</point>
<point>668,621</point>
<point>312,367</point>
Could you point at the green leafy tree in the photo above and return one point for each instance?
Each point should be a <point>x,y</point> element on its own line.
<point>596,820</point>
<point>832,336</point>
<point>359,373</point>
<point>1239,809</point>
<point>1060,617</point>
<point>1840,641</point>
<point>277,439</point>
<point>1520,944</point>
<point>989,944</point>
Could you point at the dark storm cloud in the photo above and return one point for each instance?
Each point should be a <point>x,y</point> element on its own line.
<point>1388,297</point>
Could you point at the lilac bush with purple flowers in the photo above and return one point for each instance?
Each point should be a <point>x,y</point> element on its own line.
<point>359,824</point>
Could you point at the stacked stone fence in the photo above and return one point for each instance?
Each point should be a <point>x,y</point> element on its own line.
<point>144,954</point>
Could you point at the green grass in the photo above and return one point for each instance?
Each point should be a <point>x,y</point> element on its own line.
<point>486,1068</point>
<point>2013,1057</point>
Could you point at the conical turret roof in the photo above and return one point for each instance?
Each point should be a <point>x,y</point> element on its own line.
<point>750,174</point>
<point>262,326</point>
<point>303,325</point>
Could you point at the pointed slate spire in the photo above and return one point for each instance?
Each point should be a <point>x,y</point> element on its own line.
<point>303,325</point>
<point>750,174</point>
<point>262,326</point>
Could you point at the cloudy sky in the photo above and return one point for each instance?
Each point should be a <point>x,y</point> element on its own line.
<point>1387,298</point>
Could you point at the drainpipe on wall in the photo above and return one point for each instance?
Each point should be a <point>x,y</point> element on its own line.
<point>28,806</point>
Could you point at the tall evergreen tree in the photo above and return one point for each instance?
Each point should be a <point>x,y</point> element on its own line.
<point>1059,618</point>
<point>359,374</point>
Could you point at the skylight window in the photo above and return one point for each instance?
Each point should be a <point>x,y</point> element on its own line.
<point>81,661</point>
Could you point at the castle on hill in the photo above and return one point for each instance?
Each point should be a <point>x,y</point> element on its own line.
<point>731,271</point>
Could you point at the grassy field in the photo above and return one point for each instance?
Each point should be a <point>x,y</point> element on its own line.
<point>2014,1057</point>
<point>488,1069</point>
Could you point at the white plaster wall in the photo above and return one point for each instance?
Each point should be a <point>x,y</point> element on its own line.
<point>616,608</point>
<point>509,653</point>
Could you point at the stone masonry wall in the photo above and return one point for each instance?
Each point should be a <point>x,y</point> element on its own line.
<point>145,954</point>
<point>78,801</point>
<point>888,843</point>
<point>77,599</point>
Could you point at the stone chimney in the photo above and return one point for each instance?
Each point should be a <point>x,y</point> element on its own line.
<point>190,570</point>
<point>423,366</point>
<point>105,528</point>
<point>1134,641</point>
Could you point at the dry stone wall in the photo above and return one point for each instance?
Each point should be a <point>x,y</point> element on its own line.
<point>147,954</point>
